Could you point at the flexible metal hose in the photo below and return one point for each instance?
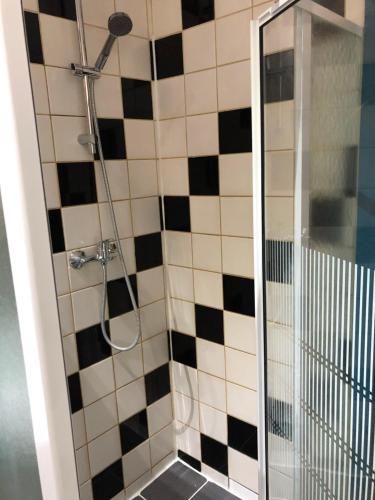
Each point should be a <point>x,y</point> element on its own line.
<point>116,237</point>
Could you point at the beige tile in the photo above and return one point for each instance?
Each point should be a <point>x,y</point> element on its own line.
<point>278,35</point>
<point>213,423</point>
<point>186,410</point>
<point>181,283</point>
<point>241,368</point>
<point>280,218</point>
<point>233,37</point>
<point>145,212</point>
<point>205,214</point>
<point>201,93</point>
<point>212,391</point>
<point>135,59</point>
<point>66,315</point>
<point>238,256</point>
<point>279,173</point>
<point>243,469</point>
<point>279,126</point>
<point>236,177</point>
<point>100,416</point>
<point>186,380</point>
<point>53,30</point>
<point>87,305</point>
<point>234,85</point>
<point>117,172</point>
<point>199,47</point>
<point>214,475</point>
<point>166,17</point>
<point>223,7</point>
<point>210,358</point>
<point>70,354</point>
<point>97,381</point>
<point>355,11</point>
<point>240,332</point>
<point>39,84</point>
<point>51,185</point>
<point>66,130</point>
<point>104,450</point>
<point>136,463</point>
<point>128,365</point>
<point>241,491</point>
<point>170,95</point>
<point>248,409</point>
<point>159,414</point>
<point>123,219</point>
<point>78,429</point>
<point>202,135</point>
<point>188,440</point>
<point>143,178</point>
<point>95,39</point>
<point>140,139</point>
<point>45,138</point>
<point>182,316</point>
<point>162,444</point>
<point>30,5</point>
<point>174,175</point>
<point>237,216</point>
<point>208,289</point>
<point>155,352</point>
<point>108,97</point>
<point>65,92</point>
<point>150,286</point>
<point>60,268</point>
<point>83,467</point>
<point>259,10</point>
<point>131,399</point>
<point>172,138</point>
<point>206,252</point>
<point>179,249</point>
<point>153,319</point>
<point>137,10</point>
<point>81,226</point>
<point>97,13</point>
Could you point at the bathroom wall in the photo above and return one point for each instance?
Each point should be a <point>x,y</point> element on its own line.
<point>120,402</point>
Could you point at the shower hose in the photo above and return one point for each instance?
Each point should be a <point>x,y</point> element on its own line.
<point>116,238</point>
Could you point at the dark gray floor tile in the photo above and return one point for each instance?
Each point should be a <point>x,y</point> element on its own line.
<point>212,491</point>
<point>177,483</point>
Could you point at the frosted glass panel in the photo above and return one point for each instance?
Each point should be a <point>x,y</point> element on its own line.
<point>19,477</point>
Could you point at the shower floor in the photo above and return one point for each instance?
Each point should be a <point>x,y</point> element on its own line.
<point>180,482</point>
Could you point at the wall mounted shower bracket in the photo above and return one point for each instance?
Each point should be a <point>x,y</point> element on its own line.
<point>81,71</point>
<point>105,252</point>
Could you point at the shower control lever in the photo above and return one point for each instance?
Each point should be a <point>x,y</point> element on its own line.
<point>106,251</point>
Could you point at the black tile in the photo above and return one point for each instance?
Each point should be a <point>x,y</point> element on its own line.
<point>239,295</point>
<point>113,138</point>
<point>209,324</point>
<point>34,42</point>
<point>169,58</point>
<point>243,437</point>
<point>204,176</point>
<point>133,431</point>
<point>337,6</point>
<point>214,454</point>
<point>60,8</point>
<point>193,462</point>
<point>212,491</point>
<point>157,384</point>
<point>109,482</point>
<point>137,98</point>
<point>77,183</point>
<point>235,131</point>
<point>176,483</point>
<point>177,213</point>
<point>56,230</point>
<point>118,296</point>
<point>184,349</point>
<point>279,76</point>
<point>91,346</point>
<point>197,12</point>
<point>75,393</point>
<point>148,251</point>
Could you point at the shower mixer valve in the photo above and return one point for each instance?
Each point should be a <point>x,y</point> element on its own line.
<point>105,252</point>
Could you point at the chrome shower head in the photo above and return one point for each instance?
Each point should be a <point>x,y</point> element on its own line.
<point>119,24</point>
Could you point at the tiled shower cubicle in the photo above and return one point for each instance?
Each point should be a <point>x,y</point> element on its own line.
<point>174,105</point>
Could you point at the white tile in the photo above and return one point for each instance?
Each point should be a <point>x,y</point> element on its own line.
<point>172,138</point>
<point>51,185</point>
<point>83,467</point>
<point>97,381</point>
<point>162,444</point>
<point>164,464</point>
<point>70,354</point>
<point>60,268</point>
<point>259,10</point>
<point>81,226</point>
<point>180,280</point>
<point>131,399</point>
<point>182,316</point>
<point>146,218</point>
<point>178,246</point>
<point>143,178</point>
<point>210,358</point>
<point>95,39</point>
<point>241,491</point>
<point>236,177</point>
<point>214,475</point>
<point>118,180</point>
<point>155,352</point>
<point>150,286</point>
<point>242,403</point>
<point>66,130</point>
<point>100,416</point>
<point>223,7</point>
<point>45,138</point>
<point>233,37</point>
<point>174,175</point>
<point>185,380</point>
<point>87,305</point>
<point>85,491</point>
<point>87,276</point>
<point>123,220</point>
<point>137,10</point>
<point>159,414</point>
<point>238,258</point>
<point>213,423</point>
<point>138,484</point>
<point>65,92</point>
<point>202,135</point>
<point>279,35</point>
<point>124,328</point>
<point>66,315</point>
<point>170,95</point>
<point>104,450</point>
<point>243,469</point>
<point>201,93</point>
<point>206,252</point>
<point>212,391</point>
<point>186,411</point>
<point>280,218</point>
<point>30,5</point>
<point>240,332</point>
<point>237,216</point>
<point>241,368</point>
<point>128,365</point>
<point>234,86</point>
<point>279,125</point>
<point>97,13</point>
<point>205,214</point>
<point>140,139</point>
<point>355,11</point>
<point>115,268</point>
<point>135,58</point>
<point>54,29</point>
<point>39,84</point>
<point>208,288</point>
<point>279,173</point>
<point>188,440</point>
<point>153,319</point>
<point>136,463</point>
<point>199,47</point>
<point>166,16</point>
<point>108,97</point>
<point>78,429</point>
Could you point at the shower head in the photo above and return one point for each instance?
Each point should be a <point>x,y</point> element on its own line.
<point>119,24</point>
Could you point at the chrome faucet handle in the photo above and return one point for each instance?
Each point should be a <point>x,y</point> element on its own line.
<point>78,259</point>
<point>105,252</point>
